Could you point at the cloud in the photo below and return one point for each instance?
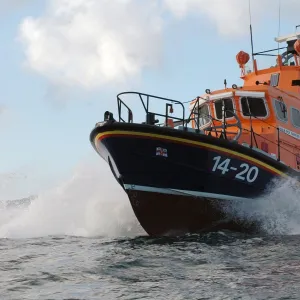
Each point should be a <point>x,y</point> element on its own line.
<point>228,16</point>
<point>91,43</point>
<point>231,17</point>
<point>95,43</point>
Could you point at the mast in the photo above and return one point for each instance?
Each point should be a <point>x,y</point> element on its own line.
<point>251,32</point>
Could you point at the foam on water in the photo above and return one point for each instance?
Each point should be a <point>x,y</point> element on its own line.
<point>90,203</point>
<point>278,211</point>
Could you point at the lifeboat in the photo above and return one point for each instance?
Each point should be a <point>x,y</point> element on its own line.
<point>181,165</point>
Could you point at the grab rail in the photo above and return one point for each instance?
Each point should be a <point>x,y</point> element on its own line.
<point>252,132</point>
<point>195,111</point>
<point>145,104</point>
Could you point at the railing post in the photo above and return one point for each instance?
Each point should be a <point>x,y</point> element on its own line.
<point>167,113</point>
<point>251,132</point>
<point>223,117</point>
<point>251,127</point>
<point>278,143</point>
<point>119,109</point>
<point>130,116</point>
<point>198,115</point>
<point>147,108</point>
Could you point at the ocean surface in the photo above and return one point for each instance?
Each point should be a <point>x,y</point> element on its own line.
<point>220,265</point>
<point>81,240</point>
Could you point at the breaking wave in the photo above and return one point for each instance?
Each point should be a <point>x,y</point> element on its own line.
<point>90,203</point>
<point>277,212</point>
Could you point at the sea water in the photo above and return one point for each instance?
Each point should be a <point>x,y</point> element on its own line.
<point>81,240</point>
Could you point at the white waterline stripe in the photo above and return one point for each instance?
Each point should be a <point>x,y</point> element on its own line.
<point>182,192</point>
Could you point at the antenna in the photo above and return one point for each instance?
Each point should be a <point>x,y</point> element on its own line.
<point>251,34</point>
<point>279,21</point>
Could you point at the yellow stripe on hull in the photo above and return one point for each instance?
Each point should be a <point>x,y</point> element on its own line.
<point>195,143</point>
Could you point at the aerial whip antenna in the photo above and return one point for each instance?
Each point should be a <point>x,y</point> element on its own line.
<point>251,34</point>
<point>279,21</point>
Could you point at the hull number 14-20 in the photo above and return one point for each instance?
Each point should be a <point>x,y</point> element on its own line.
<point>245,172</point>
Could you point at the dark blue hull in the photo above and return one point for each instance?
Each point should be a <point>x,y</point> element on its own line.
<point>180,182</point>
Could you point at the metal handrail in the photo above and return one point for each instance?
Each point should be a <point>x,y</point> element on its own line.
<point>252,132</point>
<point>146,105</point>
<point>195,111</point>
<point>130,116</point>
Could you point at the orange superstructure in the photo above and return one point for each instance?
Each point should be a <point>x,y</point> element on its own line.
<point>264,113</point>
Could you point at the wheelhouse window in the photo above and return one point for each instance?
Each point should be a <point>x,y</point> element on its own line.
<point>275,79</point>
<point>203,116</point>
<point>255,107</point>
<point>281,110</point>
<point>228,103</point>
<point>295,115</point>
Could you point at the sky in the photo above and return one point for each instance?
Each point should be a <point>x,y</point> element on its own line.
<point>64,61</point>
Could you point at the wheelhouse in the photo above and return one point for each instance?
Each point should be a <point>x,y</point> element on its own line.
<point>224,106</point>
